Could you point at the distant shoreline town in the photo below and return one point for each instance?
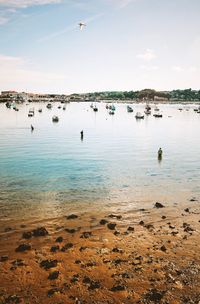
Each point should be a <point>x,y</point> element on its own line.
<point>187,95</point>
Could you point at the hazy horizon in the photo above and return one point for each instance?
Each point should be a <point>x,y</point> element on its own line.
<point>126,45</point>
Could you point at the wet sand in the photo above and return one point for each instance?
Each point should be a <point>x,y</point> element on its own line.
<point>149,255</point>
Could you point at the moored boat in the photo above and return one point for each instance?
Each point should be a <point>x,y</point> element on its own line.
<point>8,104</point>
<point>15,108</point>
<point>157,115</point>
<point>147,112</point>
<point>139,115</point>
<point>129,109</point>
<point>147,107</point>
<point>49,106</point>
<point>112,107</point>
<point>31,112</point>
<point>55,118</point>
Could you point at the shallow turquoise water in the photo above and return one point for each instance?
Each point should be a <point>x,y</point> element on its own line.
<point>117,161</point>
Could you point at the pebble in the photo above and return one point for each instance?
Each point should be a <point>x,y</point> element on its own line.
<point>23,247</point>
<point>158,205</point>
<point>27,235</point>
<point>103,222</point>
<point>86,235</point>
<point>70,230</point>
<point>47,264</point>
<point>130,228</point>
<point>111,226</point>
<point>72,217</point>
<point>53,275</point>
<point>118,217</point>
<point>41,231</point>
<point>163,248</point>
<point>66,247</point>
<point>3,258</point>
<point>55,248</point>
<point>59,239</point>
<point>118,288</point>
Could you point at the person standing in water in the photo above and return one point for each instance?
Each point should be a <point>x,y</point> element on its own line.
<point>81,135</point>
<point>32,128</point>
<point>160,152</point>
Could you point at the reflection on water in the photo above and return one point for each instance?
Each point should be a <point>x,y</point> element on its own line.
<point>159,159</point>
<point>45,170</point>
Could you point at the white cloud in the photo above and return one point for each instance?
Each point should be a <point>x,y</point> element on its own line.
<point>10,61</point>
<point>149,67</point>
<point>124,3</point>
<point>26,3</point>
<point>177,68</point>
<point>9,7</point>
<point>19,74</point>
<point>121,3</point>
<point>193,69</point>
<point>148,55</point>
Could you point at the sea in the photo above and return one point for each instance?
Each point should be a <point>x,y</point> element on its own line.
<point>51,170</point>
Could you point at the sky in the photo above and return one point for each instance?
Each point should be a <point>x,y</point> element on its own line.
<point>125,45</point>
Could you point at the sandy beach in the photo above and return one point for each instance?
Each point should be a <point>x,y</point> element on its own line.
<point>149,255</point>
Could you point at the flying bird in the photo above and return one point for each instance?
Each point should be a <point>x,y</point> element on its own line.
<point>81,25</point>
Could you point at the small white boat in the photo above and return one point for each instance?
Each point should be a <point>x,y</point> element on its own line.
<point>156,109</point>
<point>40,110</point>
<point>55,118</point>
<point>147,112</point>
<point>31,112</point>
<point>49,106</point>
<point>64,107</point>
<point>91,106</point>
<point>95,109</point>
<point>111,112</point>
<point>139,116</point>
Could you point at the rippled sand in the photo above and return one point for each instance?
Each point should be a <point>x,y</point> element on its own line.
<point>149,255</point>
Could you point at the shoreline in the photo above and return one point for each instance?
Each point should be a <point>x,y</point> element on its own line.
<point>146,255</point>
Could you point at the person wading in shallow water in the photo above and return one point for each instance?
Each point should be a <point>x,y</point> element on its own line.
<point>160,152</point>
<point>32,128</point>
<point>81,135</point>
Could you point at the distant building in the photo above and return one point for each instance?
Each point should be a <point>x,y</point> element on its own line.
<point>13,96</point>
<point>159,98</point>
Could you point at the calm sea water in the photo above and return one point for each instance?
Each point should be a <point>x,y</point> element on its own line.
<point>50,169</point>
